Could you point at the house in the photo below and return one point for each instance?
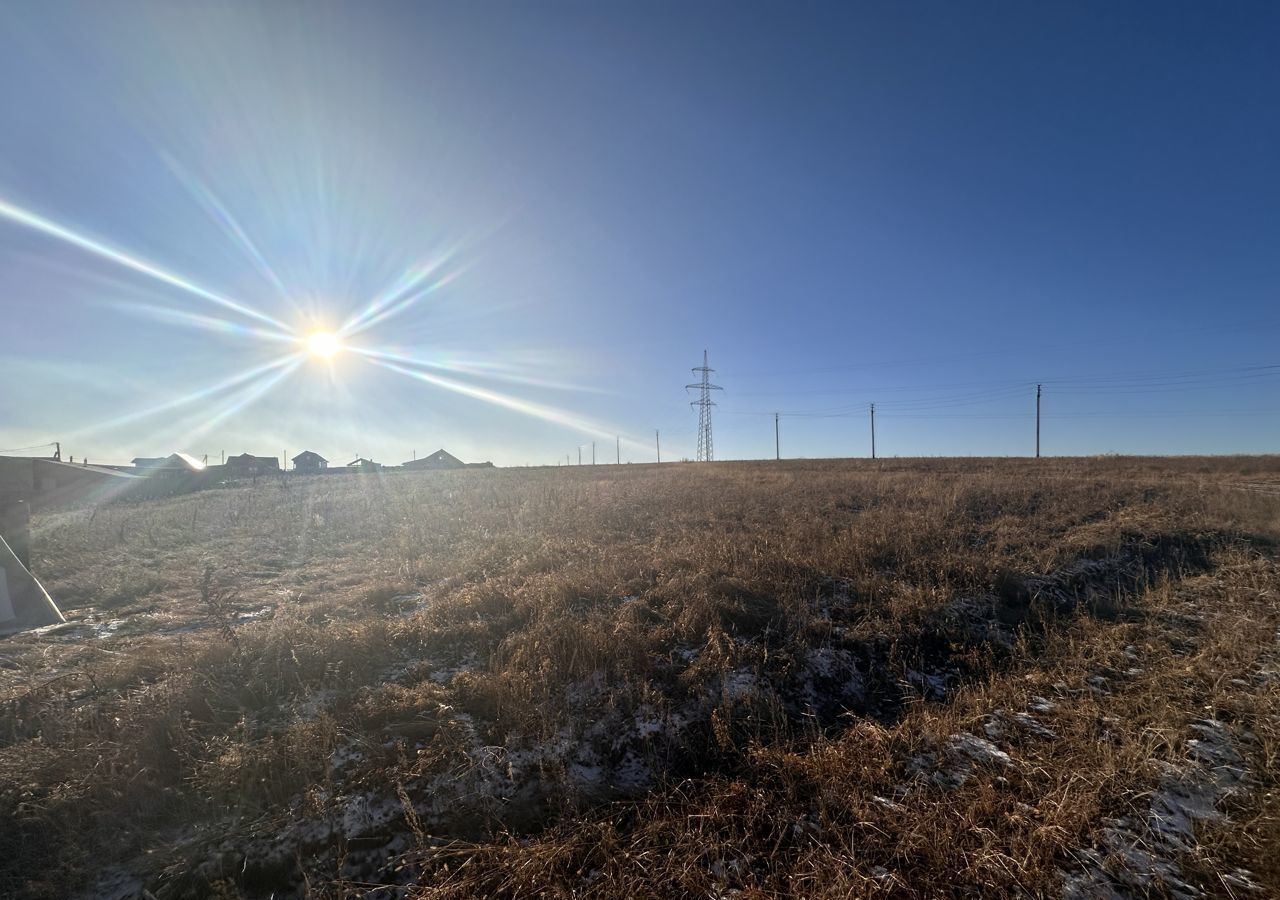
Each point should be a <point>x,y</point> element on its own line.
<point>441,459</point>
<point>363,465</point>
<point>248,464</point>
<point>174,465</point>
<point>309,461</point>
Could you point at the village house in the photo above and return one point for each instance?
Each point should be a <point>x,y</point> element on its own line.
<point>441,459</point>
<point>171,466</point>
<point>248,464</point>
<point>309,461</point>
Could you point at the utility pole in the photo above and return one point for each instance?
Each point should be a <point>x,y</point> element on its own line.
<point>579,454</point>
<point>777,444</point>
<point>224,456</point>
<point>593,453</point>
<point>873,431</point>
<point>618,448</point>
<point>657,443</point>
<point>706,450</point>
<point>1037,421</point>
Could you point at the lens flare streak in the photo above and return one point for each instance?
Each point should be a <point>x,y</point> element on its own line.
<point>218,211</point>
<point>494,371</point>
<point>52,229</point>
<point>526,407</point>
<point>195,320</point>
<point>202,394</point>
<point>377,310</point>
<point>249,395</point>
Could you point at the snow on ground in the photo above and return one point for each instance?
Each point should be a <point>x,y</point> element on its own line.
<point>1139,854</point>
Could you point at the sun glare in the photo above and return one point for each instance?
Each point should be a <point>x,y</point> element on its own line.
<point>323,344</point>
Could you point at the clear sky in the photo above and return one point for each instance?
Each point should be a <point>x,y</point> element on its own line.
<point>533,218</point>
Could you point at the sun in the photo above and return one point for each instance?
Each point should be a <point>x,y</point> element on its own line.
<point>323,344</point>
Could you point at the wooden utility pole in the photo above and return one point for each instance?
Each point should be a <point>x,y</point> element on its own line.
<point>579,454</point>
<point>873,431</point>
<point>1037,421</point>
<point>593,453</point>
<point>777,444</point>
<point>657,443</point>
<point>618,449</point>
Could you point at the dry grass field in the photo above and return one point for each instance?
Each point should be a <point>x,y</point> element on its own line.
<point>969,678</point>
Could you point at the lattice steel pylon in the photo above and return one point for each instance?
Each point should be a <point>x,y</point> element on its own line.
<point>706,449</point>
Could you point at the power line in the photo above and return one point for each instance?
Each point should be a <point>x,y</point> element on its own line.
<point>32,447</point>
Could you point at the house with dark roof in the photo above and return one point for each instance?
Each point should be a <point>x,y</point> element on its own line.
<point>441,459</point>
<point>171,466</point>
<point>363,465</point>
<point>309,461</point>
<point>247,464</point>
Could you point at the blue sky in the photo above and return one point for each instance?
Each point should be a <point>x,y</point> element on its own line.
<point>929,206</point>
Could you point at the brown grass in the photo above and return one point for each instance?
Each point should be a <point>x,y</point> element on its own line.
<point>742,679</point>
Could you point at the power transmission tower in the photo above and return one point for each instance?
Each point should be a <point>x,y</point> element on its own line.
<point>706,450</point>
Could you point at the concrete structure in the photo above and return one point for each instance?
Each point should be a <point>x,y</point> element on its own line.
<point>309,461</point>
<point>441,459</point>
<point>24,603</point>
<point>42,481</point>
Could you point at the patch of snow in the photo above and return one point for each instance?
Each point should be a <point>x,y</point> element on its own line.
<point>364,813</point>
<point>343,755</point>
<point>446,674</point>
<point>632,773</point>
<point>1139,854</point>
<point>932,685</point>
<point>739,684</point>
<point>978,750</point>
<point>1042,706</point>
<point>648,723</point>
<point>115,883</point>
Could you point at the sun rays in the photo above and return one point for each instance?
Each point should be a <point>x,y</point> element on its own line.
<point>193,414</point>
<point>44,226</point>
